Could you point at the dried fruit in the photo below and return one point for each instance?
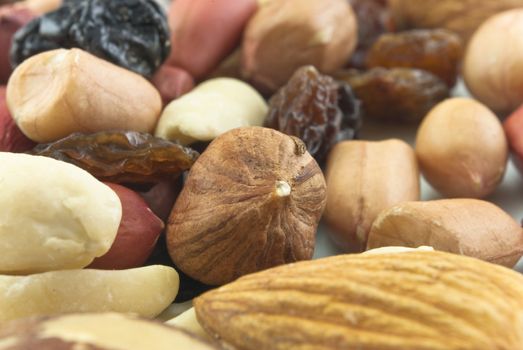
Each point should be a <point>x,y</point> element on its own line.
<point>461,226</point>
<point>317,109</point>
<point>397,94</point>
<point>374,18</point>
<point>133,34</point>
<point>122,156</point>
<point>252,200</point>
<point>438,51</point>
<point>408,301</point>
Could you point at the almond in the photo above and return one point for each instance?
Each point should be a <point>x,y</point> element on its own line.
<point>408,301</point>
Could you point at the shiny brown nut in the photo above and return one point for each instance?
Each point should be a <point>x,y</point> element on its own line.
<point>100,331</point>
<point>172,82</point>
<point>137,234</point>
<point>72,90</point>
<point>462,149</point>
<point>469,227</point>
<point>205,32</point>
<point>358,189</point>
<point>251,201</point>
<point>285,35</point>
<point>12,139</point>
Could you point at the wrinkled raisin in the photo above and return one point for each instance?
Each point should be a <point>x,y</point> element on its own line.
<point>122,156</point>
<point>317,109</point>
<point>438,51</point>
<point>397,94</point>
<point>133,34</point>
<point>374,18</point>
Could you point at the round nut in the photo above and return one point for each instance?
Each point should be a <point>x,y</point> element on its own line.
<point>462,149</point>
<point>469,227</point>
<point>54,215</point>
<point>251,201</point>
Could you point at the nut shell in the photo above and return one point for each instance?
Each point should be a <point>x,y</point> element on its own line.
<point>251,201</point>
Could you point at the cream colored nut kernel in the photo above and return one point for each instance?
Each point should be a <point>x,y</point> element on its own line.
<point>101,331</point>
<point>145,291</point>
<point>462,149</point>
<point>363,178</point>
<point>398,249</point>
<point>469,227</point>
<point>53,215</point>
<point>58,92</point>
<point>188,321</point>
<point>212,108</point>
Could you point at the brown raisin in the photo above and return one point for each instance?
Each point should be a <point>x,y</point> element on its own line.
<point>438,51</point>
<point>317,109</point>
<point>374,19</point>
<point>122,156</point>
<point>397,94</point>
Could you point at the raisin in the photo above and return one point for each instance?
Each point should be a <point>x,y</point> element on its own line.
<point>397,94</point>
<point>122,156</point>
<point>133,34</point>
<point>317,109</point>
<point>374,19</point>
<point>438,51</point>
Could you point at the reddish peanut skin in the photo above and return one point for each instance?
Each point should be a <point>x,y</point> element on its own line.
<point>513,127</point>
<point>172,82</point>
<point>161,197</point>
<point>137,235</point>
<point>12,18</point>
<point>203,32</point>
<point>11,137</point>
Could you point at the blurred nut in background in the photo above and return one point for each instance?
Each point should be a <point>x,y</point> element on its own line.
<point>513,127</point>
<point>287,34</point>
<point>493,64</point>
<point>461,226</point>
<point>252,200</point>
<point>204,32</point>
<point>56,93</point>
<point>462,149</point>
<point>363,178</point>
<point>212,108</point>
<point>460,16</point>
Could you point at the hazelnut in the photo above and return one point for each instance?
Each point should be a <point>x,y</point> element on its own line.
<point>251,201</point>
<point>462,149</point>
<point>287,34</point>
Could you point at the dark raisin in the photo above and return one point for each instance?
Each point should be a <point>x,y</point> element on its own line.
<point>438,51</point>
<point>317,109</point>
<point>374,18</point>
<point>133,34</point>
<point>122,156</point>
<point>397,94</point>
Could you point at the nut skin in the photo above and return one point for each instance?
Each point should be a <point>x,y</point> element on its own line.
<point>513,127</point>
<point>251,201</point>
<point>497,80</point>
<point>462,149</point>
<point>12,139</point>
<point>358,190</point>
<point>410,301</point>
<point>469,227</point>
<point>172,82</point>
<point>285,35</point>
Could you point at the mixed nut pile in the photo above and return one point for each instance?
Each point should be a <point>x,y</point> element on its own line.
<point>154,152</point>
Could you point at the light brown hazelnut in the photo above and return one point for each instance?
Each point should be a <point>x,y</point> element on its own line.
<point>287,34</point>
<point>363,178</point>
<point>462,149</point>
<point>251,201</point>
<point>461,226</point>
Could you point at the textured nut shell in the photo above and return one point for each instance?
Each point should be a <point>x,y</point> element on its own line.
<point>58,92</point>
<point>211,109</point>
<point>358,189</point>
<point>461,226</point>
<point>462,149</point>
<point>110,331</point>
<point>496,79</point>
<point>228,221</point>
<point>145,291</point>
<point>54,215</point>
<point>460,16</point>
<point>287,34</point>
<point>408,301</point>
